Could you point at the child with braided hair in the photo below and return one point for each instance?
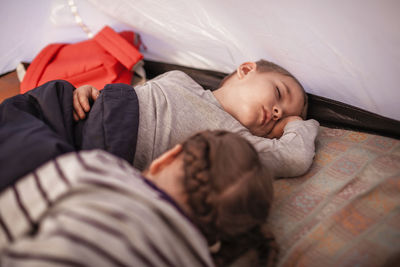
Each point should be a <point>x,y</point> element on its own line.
<point>201,203</point>
<point>227,192</point>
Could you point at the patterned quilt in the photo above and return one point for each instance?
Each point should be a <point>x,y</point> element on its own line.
<point>346,210</point>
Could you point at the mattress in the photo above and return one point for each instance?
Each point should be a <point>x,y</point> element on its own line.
<point>345,211</point>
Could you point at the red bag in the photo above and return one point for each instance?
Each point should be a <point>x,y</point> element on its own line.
<point>107,58</point>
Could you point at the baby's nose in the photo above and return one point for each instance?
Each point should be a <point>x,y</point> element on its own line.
<point>276,113</point>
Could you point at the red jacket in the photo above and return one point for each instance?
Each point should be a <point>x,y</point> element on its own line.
<point>107,58</point>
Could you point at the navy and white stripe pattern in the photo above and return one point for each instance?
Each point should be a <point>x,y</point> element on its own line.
<point>93,209</point>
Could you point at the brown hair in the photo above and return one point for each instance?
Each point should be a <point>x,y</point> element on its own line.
<point>230,194</point>
<point>263,66</point>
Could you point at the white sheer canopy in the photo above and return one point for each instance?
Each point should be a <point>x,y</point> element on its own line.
<point>344,50</point>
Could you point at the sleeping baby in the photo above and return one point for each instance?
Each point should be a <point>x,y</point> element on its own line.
<point>260,101</point>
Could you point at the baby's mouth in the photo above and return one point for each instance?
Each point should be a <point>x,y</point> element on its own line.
<point>265,117</point>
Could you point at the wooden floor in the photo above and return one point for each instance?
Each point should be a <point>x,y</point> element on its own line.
<point>9,85</point>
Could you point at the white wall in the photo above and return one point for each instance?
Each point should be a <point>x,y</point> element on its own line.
<point>344,50</point>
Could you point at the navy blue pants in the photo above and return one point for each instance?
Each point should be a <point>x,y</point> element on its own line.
<point>38,126</point>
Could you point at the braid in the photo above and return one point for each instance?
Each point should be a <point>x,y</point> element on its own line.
<point>229,193</point>
<point>197,184</point>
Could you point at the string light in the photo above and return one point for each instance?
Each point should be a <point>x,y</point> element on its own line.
<point>78,19</point>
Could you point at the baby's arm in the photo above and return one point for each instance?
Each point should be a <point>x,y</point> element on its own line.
<point>292,154</point>
<point>81,98</point>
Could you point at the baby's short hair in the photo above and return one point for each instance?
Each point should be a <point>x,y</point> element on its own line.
<point>263,65</point>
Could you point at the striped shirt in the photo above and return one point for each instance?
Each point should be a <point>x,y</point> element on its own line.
<point>93,209</point>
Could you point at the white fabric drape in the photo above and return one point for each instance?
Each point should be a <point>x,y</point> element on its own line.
<point>344,50</point>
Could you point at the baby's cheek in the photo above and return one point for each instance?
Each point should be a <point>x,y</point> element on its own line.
<point>248,118</point>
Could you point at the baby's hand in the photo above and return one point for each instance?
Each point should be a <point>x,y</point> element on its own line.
<point>81,98</point>
<point>277,131</point>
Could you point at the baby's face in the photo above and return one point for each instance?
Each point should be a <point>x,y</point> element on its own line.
<point>264,98</point>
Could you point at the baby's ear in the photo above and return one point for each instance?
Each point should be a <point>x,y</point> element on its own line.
<point>245,68</point>
<point>165,159</point>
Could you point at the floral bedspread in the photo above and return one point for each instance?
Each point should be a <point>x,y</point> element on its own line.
<point>346,210</point>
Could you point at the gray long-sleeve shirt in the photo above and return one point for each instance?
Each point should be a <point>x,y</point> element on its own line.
<point>173,107</point>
